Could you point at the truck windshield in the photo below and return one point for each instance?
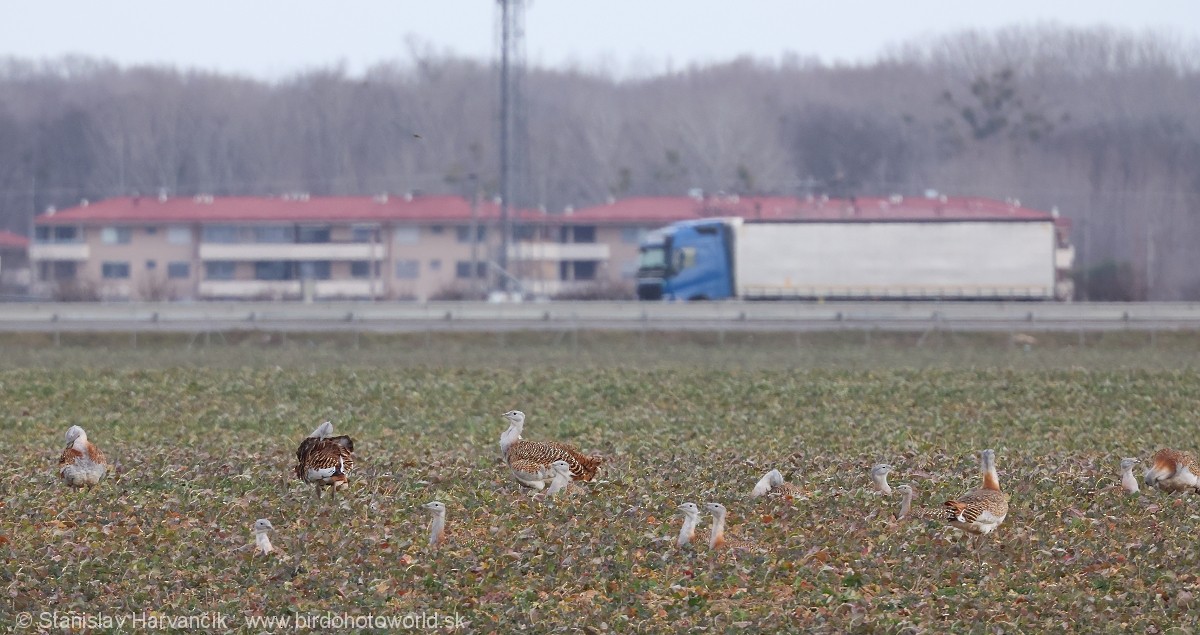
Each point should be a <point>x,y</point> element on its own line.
<point>653,258</point>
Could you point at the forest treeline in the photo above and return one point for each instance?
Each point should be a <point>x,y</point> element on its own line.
<point>1101,124</point>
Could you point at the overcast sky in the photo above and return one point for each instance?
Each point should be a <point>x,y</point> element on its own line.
<point>271,39</point>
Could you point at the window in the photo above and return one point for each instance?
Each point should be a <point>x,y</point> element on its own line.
<point>435,265</point>
<point>314,270</point>
<point>312,234</point>
<point>114,270</point>
<point>179,270</point>
<point>151,230</point>
<point>408,269</point>
<point>362,269</point>
<point>179,235</point>
<point>463,233</point>
<point>275,234</point>
<point>219,270</point>
<point>151,265</point>
<point>462,269</point>
<point>683,258</point>
<point>221,234</point>
<point>437,229</point>
<point>577,270</point>
<point>633,235</point>
<point>65,235</point>
<point>57,270</point>
<point>274,270</point>
<point>364,233</point>
<point>578,234</point>
<point>407,235</point>
<point>116,235</point>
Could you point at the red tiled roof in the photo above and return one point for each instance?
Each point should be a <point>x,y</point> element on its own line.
<point>636,210</point>
<point>9,240</point>
<point>671,209</point>
<point>267,209</point>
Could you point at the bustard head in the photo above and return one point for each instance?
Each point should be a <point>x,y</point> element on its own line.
<point>879,475</point>
<point>689,510</point>
<point>1128,463</point>
<point>75,432</point>
<point>561,467</point>
<point>515,417</point>
<point>716,509</point>
<point>437,508</point>
<point>262,526</point>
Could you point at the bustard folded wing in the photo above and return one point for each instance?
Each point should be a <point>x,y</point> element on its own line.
<point>535,457</point>
<point>978,511</point>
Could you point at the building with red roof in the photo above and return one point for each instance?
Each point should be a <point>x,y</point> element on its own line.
<point>397,247</point>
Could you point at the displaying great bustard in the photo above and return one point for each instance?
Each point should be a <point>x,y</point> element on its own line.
<point>81,463</point>
<point>324,460</point>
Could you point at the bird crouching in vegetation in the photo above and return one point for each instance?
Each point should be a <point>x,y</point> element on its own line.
<point>879,473</point>
<point>1172,471</point>
<point>982,510</point>
<point>262,542</point>
<point>530,461</point>
<point>81,463</point>
<point>717,538</point>
<point>1129,482</point>
<point>906,511</point>
<point>772,481</point>
<point>323,459</point>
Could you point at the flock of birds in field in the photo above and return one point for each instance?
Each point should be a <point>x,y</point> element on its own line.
<point>551,467</point>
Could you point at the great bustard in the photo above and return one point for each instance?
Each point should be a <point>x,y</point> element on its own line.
<point>1172,471</point>
<point>906,511</point>
<point>1129,482</point>
<point>81,463</point>
<point>530,461</point>
<point>437,526</point>
<point>717,538</point>
<point>262,542</point>
<point>982,510</point>
<point>772,481</point>
<point>323,459</point>
<point>691,518</point>
<point>879,474</point>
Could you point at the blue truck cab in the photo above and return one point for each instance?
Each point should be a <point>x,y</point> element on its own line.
<point>688,260</point>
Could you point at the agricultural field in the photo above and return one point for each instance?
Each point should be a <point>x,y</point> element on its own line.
<point>203,441</point>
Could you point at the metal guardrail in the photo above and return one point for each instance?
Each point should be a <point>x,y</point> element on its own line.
<point>482,316</point>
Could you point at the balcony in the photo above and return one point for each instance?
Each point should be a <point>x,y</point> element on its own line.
<point>291,251</point>
<point>543,251</point>
<point>278,289</point>
<point>58,251</point>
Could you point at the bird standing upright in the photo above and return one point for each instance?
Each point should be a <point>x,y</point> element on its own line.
<point>982,510</point>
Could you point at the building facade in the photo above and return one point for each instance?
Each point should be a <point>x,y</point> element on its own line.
<point>384,247</point>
